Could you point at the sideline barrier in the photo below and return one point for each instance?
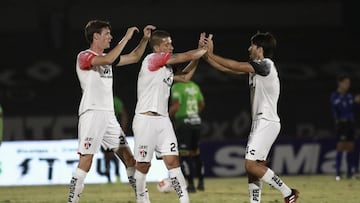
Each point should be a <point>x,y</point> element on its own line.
<point>290,157</point>
<point>52,162</point>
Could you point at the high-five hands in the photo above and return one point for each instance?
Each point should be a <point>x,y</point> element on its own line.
<point>206,43</point>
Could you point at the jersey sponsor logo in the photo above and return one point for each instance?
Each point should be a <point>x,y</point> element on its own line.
<point>192,120</point>
<point>190,90</point>
<point>106,72</point>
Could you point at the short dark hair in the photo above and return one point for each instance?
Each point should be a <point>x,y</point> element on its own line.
<point>157,36</point>
<point>265,40</point>
<point>343,76</point>
<point>95,26</point>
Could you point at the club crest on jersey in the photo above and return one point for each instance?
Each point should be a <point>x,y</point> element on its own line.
<point>143,153</point>
<point>87,144</point>
<point>143,150</point>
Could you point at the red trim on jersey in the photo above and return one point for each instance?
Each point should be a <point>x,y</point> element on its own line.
<point>158,60</point>
<point>85,59</point>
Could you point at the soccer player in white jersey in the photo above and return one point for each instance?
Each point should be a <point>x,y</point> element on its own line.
<point>97,122</point>
<point>265,89</point>
<point>153,130</point>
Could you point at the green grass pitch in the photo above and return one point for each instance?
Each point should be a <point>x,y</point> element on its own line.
<point>313,189</point>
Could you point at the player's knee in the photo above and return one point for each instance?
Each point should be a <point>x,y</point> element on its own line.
<point>171,162</point>
<point>85,162</point>
<point>250,165</point>
<point>143,167</point>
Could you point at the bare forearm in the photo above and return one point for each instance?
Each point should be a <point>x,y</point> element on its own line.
<point>135,55</point>
<point>140,49</point>
<point>110,57</point>
<point>233,65</point>
<point>188,73</point>
<point>193,64</point>
<point>219,67</point>
<point>187,56</point>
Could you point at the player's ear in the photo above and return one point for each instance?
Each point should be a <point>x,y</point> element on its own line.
<point>96,35</point>
<point>156,48</point>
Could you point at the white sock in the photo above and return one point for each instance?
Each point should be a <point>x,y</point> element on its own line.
<point>130,171</point>
<point>179,184</point>
<point>140,188</point>
<point>255,192</point>
<point>272,179</point>
<point>76,185</point>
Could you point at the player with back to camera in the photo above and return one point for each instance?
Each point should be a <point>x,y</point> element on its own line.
<point>153,130</point>
<point>264,93</point>
<point>97,122</point>
<point>187,102</point>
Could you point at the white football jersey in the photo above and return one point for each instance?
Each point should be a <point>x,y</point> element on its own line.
<point>264,91</point>
<point>153,87</point>
<point>96,84</point>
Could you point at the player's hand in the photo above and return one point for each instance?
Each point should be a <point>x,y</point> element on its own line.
<point>147,31</point>
<point>130,32</point>
<point>209,44</point>
<point>202,40</point>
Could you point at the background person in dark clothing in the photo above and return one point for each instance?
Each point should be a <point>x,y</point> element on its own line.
<point>343,106</point>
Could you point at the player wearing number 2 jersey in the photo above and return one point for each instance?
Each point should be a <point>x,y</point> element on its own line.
<point>153,131</point>
<point>264,90</point>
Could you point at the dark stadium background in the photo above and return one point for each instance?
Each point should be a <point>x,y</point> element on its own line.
<point>40,39</point>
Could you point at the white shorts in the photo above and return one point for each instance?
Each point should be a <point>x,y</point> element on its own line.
<point>153,134</point>
<point>262,136</point>
<point>99,128</point>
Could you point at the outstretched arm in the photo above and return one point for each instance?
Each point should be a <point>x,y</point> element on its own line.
<point>187,73</point>
<point>222,63</point>
<point>189,55</point>
<point>221,67</point>
<point>186,56</point>
<point>110,57</point>
<point>135,55</point>
<point>232,65</point>
<point>160,59</point>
